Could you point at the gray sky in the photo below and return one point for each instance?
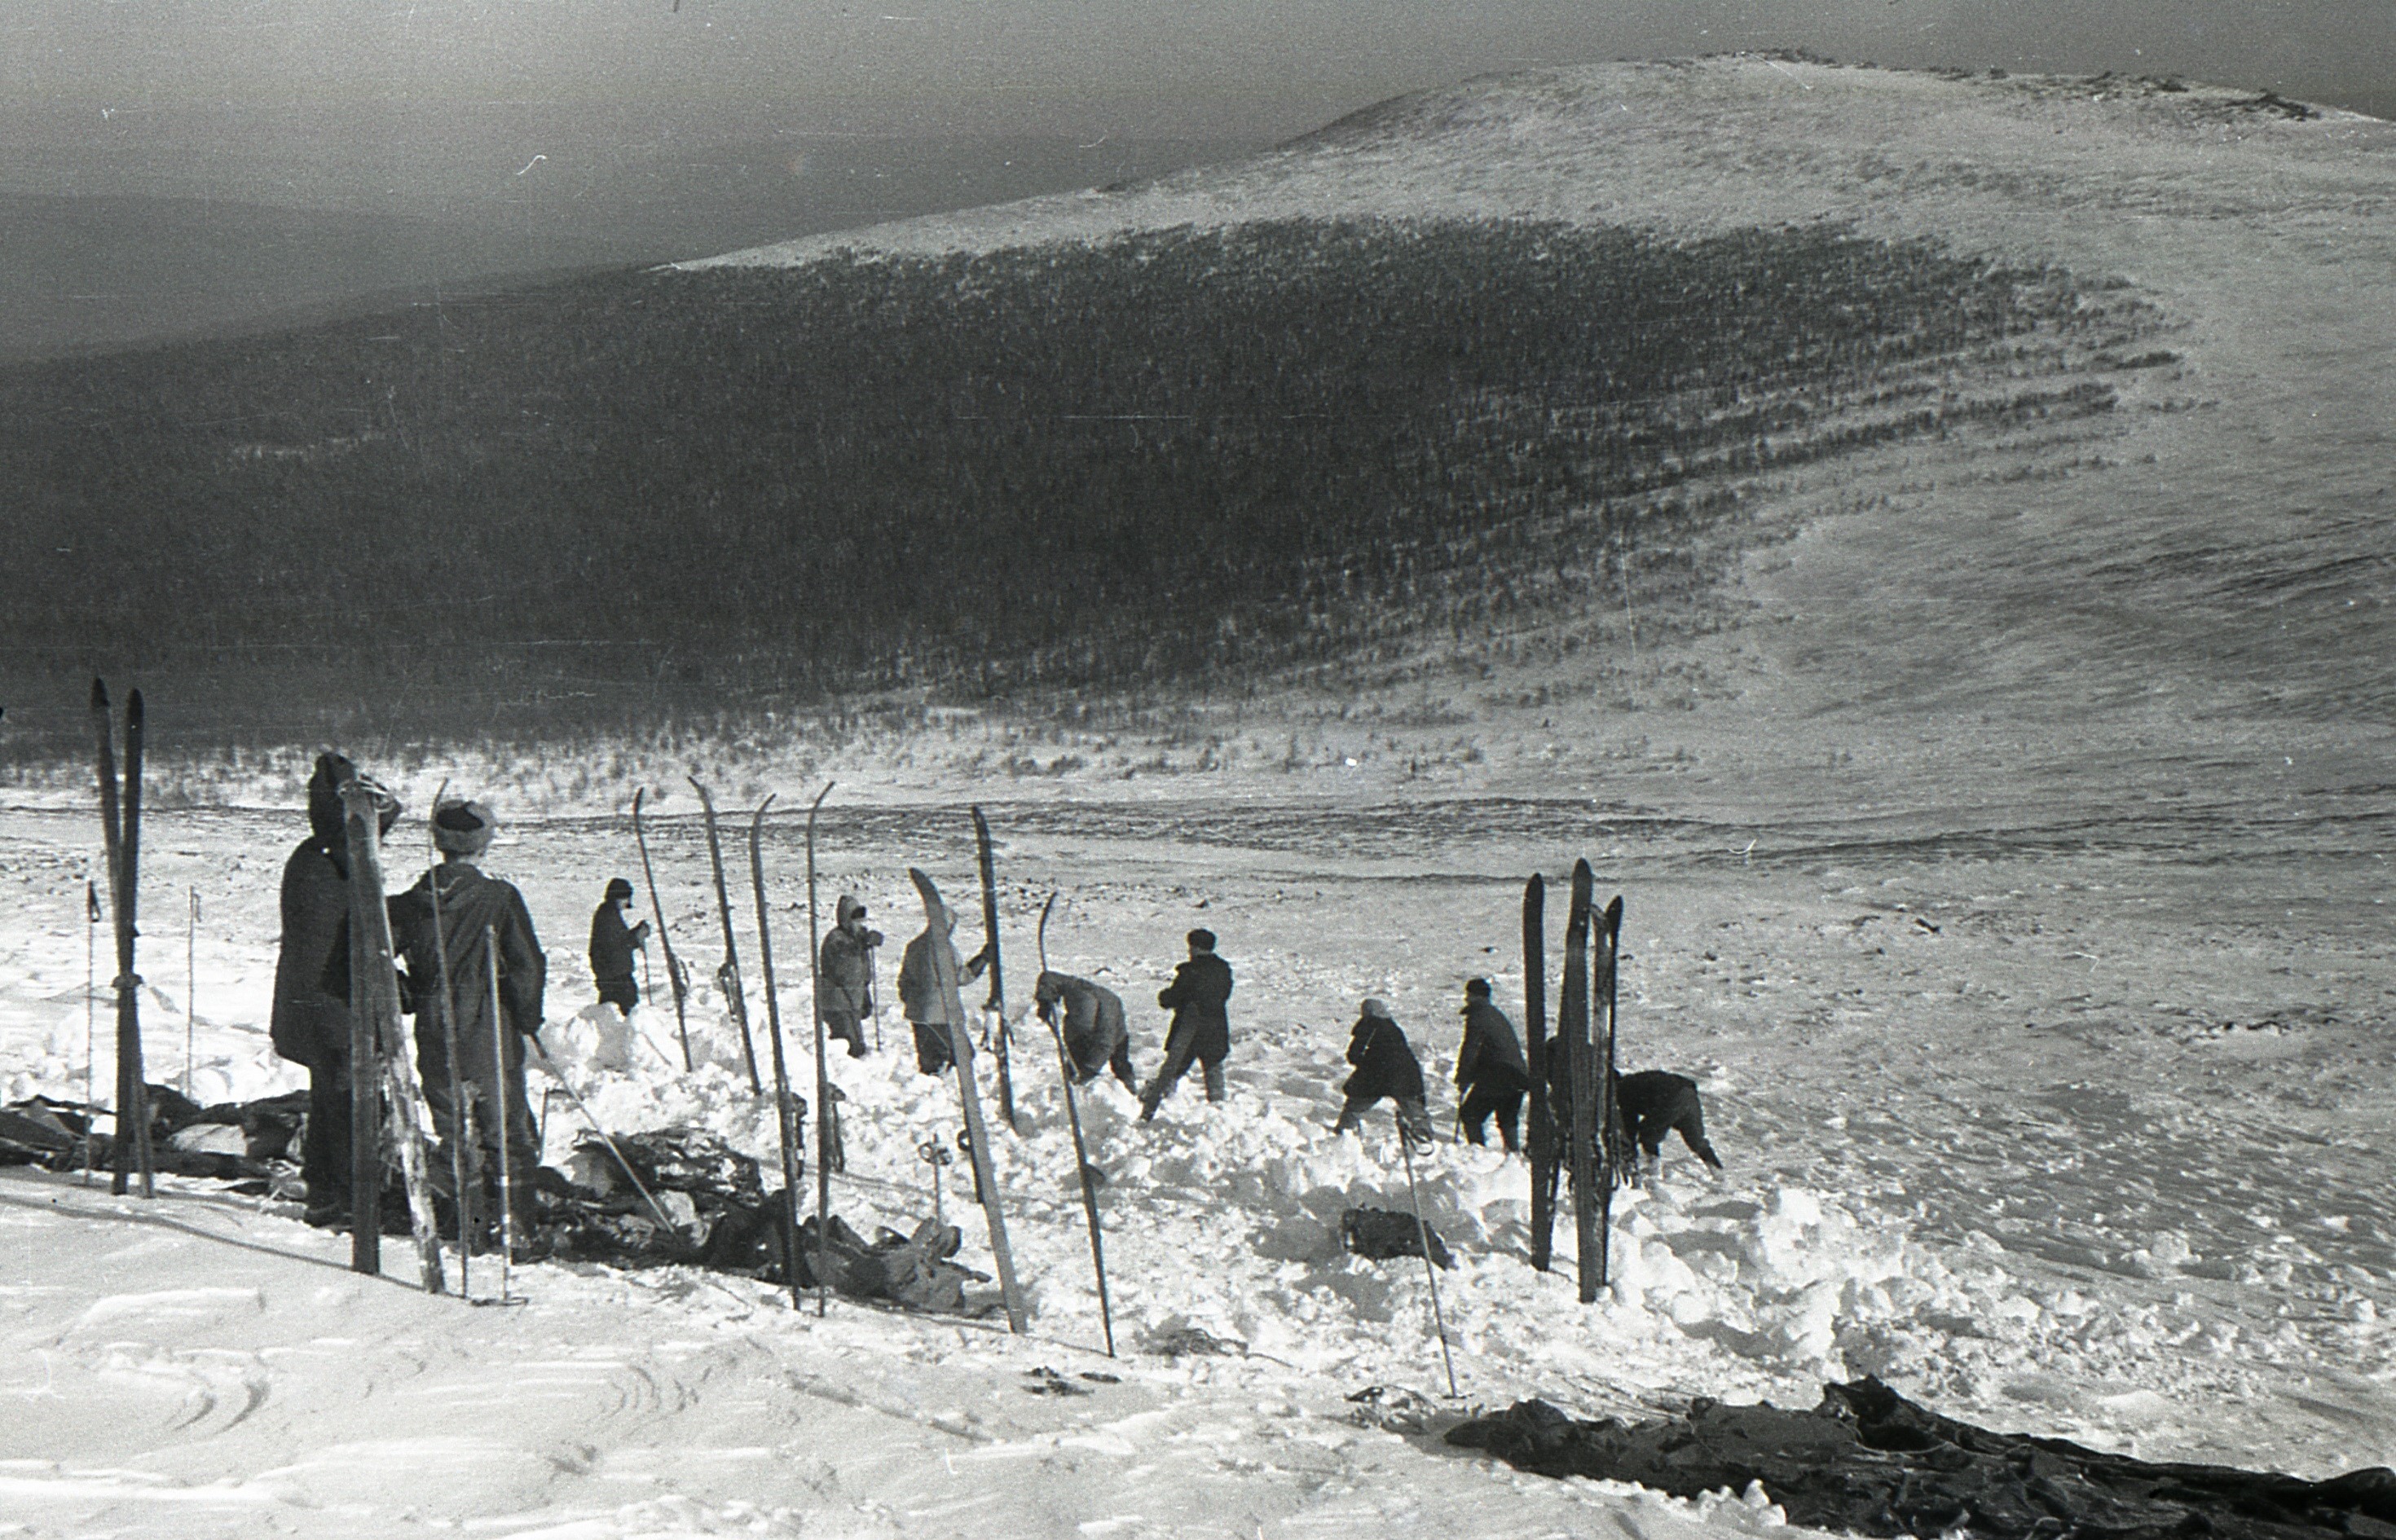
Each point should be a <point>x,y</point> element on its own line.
<point>441,106</point>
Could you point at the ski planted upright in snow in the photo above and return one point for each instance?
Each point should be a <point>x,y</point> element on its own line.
<point>944,976</point>
<point>735,995</point>
<point>374,1005</point>
<point>1572,1032</point>
<point>121,832</point>
<point>1081,1151</point>
<point>674,978</point>
<point>784,1113</point>
<point>827,1130</point>
<point>1605,1115</point>
<point>996,1004</point>
<point>465,1153</point>
<point>1541,1143</point>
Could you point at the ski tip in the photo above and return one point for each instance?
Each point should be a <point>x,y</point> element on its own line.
<point>133,709</point>
<point>1614,910</point>
<point>638,792</point>
<point>760,815</point>
<point>1536,885</point>
<point>98,693</point>
<point>1582,872</point>
<point>822,795</point>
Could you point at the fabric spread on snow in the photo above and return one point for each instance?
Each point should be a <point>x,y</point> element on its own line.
<point>1870,1461</point>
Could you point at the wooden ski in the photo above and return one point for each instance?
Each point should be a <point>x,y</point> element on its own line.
<point>1605,1117</point>
<point>826,1132</point>
<point>465,1156</point>
<point>784,1118</point>
<point>674,978</point>
<point>1541,1143</point>
<point>735,996</point>
<point>387,1066</point>
<point>996,1004</point>
<point>120,833</point>
<point>944,976</point>
<point>1572,1027</point>
<point>1081,1151</point>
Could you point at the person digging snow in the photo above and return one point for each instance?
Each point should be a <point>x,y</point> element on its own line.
<point>309,1024</point>
<point>1386,1066</point>
<point>925,1003</point>
<point>476,913</point>
<point>1655,1102</point>
<point>1201,1030</point>
<point>1095,1037</point>
<point>846,968</point>
<point>612,945</point>
<point>1490,1073</point>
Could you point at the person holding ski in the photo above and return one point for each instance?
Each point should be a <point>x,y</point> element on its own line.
<point>1386,1066</point>
<point>1490,1073</point>
<point>612,945</point>
<point>1095,1037</point>
<point>478,913</point>
<point>845,967</point>
<point>918,992</point>
<point>1201,1030</point>
<point>309,1024</point>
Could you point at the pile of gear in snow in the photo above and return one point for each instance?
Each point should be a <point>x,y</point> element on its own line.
<point>1869,1462</point>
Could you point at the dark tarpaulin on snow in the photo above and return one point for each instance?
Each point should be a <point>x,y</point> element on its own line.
<point>1870,1461</point>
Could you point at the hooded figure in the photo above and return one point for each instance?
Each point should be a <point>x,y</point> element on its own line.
<point>612,945</point>
<point>1386,1066</point>
<point>1093,1027</point>
<point>483,925</point>
<point>1201,1030</point>
<point>845,974</point>
<point>1490,1074</point>
<point>309,1026</point>
<point>921,996</point>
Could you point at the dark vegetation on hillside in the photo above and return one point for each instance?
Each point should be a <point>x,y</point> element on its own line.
<point>1176,456</point>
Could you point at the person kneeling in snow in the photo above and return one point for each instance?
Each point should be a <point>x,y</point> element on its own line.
<point>1095,1037</point>
<point>1386,1066</point>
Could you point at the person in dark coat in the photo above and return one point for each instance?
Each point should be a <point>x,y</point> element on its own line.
<point>308,1026</point>
<point>478,914</point>
<point>612,945</point>
<point>1655,1102</point>
<point>925,1003</point>
<point>1095,1037</point>
<point>1386,1066</point>
<point>1490,1073</point>
<point>1201,1030</point>
<point>846,969</point>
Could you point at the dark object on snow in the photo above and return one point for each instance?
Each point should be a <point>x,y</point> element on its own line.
<point>1654,1103</point>
<point>1393,1409</point>
<point>685,1160</point>
<point>1870,1461</point>
<point>914,1271</point>
<point>234,1140</point>
<point>1378,1235</point>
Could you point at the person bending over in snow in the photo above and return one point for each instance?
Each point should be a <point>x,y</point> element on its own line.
<point>1386,1066</point>
<point>1654,1103</point>
<point>612,945</point>
<point>1490,1074</point>
<point>1095,1036</point>
<point>925,1003</point>
<point>311,1024</point>
<point>845,967</point>
<point>1201,1030</point>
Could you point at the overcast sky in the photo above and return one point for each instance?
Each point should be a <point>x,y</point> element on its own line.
<point>402,103</point>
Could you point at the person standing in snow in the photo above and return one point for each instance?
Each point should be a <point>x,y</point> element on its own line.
<point>310,1026</point>
<point>612,945</point>
<point>1095,1037</point>
<point>477,913</point>
<point>919,994</point>
<point>1386,1066</point>
<point>845,971</point>
<point>1490,1073</point>
<point>1201,1030</point>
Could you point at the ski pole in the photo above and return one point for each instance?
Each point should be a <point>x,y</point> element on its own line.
<point>596,1127</point>
<point>190,990</point>
<point>465,1169</point>
<point>500,1088</point>
<point>90,1019</point>
<point>1430,1271</point>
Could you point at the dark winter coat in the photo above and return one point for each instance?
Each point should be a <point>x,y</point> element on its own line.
<point>1491,1056</point>
<point>1093,1023</point>
<point>846,967</point>
<point>472,905</point>
<point>919,991</point>
<point>310,1026</point>
<point>612,942</point>
<point>1385,1063</point>
<point>1196,997</point>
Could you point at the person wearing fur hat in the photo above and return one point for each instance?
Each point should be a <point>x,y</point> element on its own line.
<point>1095,1037</point>
<point>612,945</point>
<point>919,991</point>
<point>1386,1066</point>
<point>310,1026</point>
<point>1201,1027</point>
<point>483,921</point>
<point>844,969</point>
<point>1490,1073</point>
